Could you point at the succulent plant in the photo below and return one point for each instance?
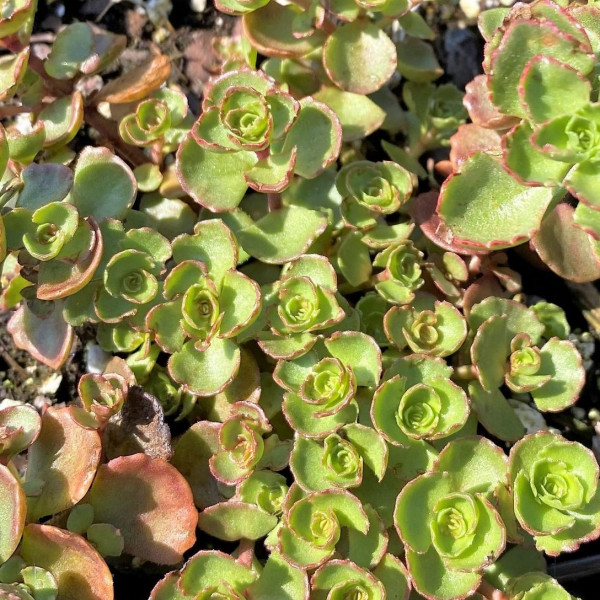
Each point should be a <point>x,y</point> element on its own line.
<point>306,327</point>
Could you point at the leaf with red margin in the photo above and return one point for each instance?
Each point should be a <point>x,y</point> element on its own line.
<point>78,568</point>
<point>470,139</point>
<point>150,502</point>
<point>478,103</point>
<point>423,211</point>
<point>566,248</point>
<point>484,207</point>
<point>48,339</point>
<point>13,508</point>
<point>270,31</point>
<point>64,458</point>
<point>62,278</point>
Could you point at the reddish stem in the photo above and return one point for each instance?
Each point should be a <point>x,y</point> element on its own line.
<point>245,552</point>
<point>487,590</point>
<point>274,201</point>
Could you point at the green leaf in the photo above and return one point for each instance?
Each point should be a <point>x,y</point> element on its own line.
<point>210,569</point>
<point>43,184</point>
<point>526,161</point>
<point>354,260</point>
<point>365,549</point>
<point>358,115</point>
<point>290,582</point>
<point>314,266</point>
<point>283,235</point>
<point>415,506</point>
<point>394,576</point>
<point>475,465</point>
<point>345,577</point>
<point>562,361</point>
<point>208,372</point>
<point>211,244</point>
<point>301,416</point>
<point>106,538</point>
<point>495,413</point>
<point>62,120</point>
<point>370,445</point>
<point>317,135</point>
<point>347,57</point>
<point>103,185</point>
<point>434,580</point>
<point>72,46</point>
<point>580,182</point>
<point>517,561</point>
<point>215,180</point>
<point>240,299</point>
<point>273,173</point>
<point>271,31</point>
<point>521,41</point>
<point>417,61</point>
<point>358,351</point>
<point>484,207</point>
<point>232,521</point>
<point>549,88</point>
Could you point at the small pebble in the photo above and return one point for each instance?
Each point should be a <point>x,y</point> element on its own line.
<point>198,5</point>
<point>530,417</point>
<point>95,358</point>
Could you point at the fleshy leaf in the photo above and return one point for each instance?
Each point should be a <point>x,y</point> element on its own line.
<point>566,248</point>
<point>317,135</point>
<point>150,502</point>
<point>103,185</point>
<point>360,352</point>
<point>205,372</point>
<point>64,459</point>
<point>77,567</point>
<point>549,89</point>
<point>561,360</point>
<point>14,510</point>
<point>484,207</point>
<point>358,114</point>
<point>48,338</point>
<point>348,57</point>
<point>283,235</point>
<point>226,185</point>
<point>232,521</point>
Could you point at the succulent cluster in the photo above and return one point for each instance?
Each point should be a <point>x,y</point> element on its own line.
<point>304,347</point>
<point>530,154</point>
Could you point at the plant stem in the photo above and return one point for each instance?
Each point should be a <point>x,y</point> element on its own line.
<point>274,201</point>
<point>488,591</point>
<point>465,372</point>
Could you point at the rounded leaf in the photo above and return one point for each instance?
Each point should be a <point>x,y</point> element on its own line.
<point>359,57</point>
<point>79,570</point>
<point>150,502</point>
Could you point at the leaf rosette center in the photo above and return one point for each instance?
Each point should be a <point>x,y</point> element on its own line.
<point>419,411</point>
<point>554,485</point>
<point>329,385</point>
<point>341,460</point>
<point>454,524</point>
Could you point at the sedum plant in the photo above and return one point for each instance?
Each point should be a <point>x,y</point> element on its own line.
<point>305,330</point>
